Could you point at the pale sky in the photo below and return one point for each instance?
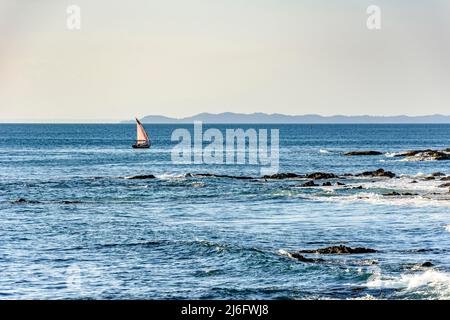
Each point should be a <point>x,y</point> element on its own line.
<point>181,57</point>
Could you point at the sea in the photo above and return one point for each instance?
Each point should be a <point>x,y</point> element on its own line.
<point>74,224</point>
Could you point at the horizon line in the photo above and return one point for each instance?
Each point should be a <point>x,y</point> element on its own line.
<point>177,119</point>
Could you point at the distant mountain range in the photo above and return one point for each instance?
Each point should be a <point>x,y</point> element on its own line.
<point>229,117</point>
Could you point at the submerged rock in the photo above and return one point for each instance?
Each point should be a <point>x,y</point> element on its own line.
<point>211,175</point>
<point>340,183</point>
<point>410,153</point>
<point>25,201</point>
<point>377,173</point>
<point>70,202</point>
<point>424,155</point>
<point>321,175</point>
<point>415,266</point>
<point>339,250</point>
<point>280,176</point>
<point>302,258</point>
<point>363,153</point>
<point>427,264</point>
<point>308,184</point>
<point>445,185</point>
<point>395,193</point>
<point>142,177</point>
<point>327,184</point>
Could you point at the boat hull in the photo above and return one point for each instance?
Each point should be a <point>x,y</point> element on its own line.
<point>141,145</point>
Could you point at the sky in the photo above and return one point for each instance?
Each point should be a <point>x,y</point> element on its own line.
<point>181,57</point>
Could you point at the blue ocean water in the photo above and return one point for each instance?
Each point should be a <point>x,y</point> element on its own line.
<point>72,226</point>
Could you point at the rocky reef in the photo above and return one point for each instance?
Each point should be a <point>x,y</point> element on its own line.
<point>363,153</point>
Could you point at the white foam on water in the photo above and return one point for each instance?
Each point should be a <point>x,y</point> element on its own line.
<point>374,198</point>
<point>403,184</point>
<point>447,228</point>
<point>324,151</point>
<point>170,176</point>
<point>284,253</point>
<point>390,154</point>
<point>430,281</point>
<point>366,297</point>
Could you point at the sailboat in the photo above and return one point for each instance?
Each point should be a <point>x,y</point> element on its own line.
<point>142,141</point>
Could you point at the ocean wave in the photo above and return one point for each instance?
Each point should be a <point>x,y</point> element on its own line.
<point>171,176</point>
<point>430,282</point>
<point>375,198</point>
<point>324,151</point>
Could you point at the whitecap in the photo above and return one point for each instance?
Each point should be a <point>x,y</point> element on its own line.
<point>170,176</point>
<point>324,151</point>
<point>284,253</point>
<point>430,281</point>
<point>447,228</point>
<point>390,154</point>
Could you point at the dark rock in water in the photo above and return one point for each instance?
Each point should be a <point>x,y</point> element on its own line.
<point>363,153</point>
<point>445,185</point>
<point>411,153</point>
<point>446,150</point>
<point>340,183</point>
<point>377,173</point>
<point>143,177</point>
<point>308,184</point>
<point>445,178</point>
<point>339,250</point>
<point>427,264</point>
<point>414,181</point>
<point>70,202</point>
<point>301,258</point>
<point>280,176</point>
<point>414,266</point>
<point>25,201</point>
<point>437,174</point>
<point>321,175</point>
<point>393,193</point>
<point>358,188</point>
<point>327,184</point>
<point>211,175</point>
<point>429,178</point>
<point>424,155</point>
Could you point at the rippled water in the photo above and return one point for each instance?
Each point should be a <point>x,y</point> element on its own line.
<point>72,226</point>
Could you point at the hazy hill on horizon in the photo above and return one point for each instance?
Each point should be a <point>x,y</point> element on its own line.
<point>230,117</point>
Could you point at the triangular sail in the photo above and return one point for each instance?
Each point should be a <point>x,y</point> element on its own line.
<point>141,134</point>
